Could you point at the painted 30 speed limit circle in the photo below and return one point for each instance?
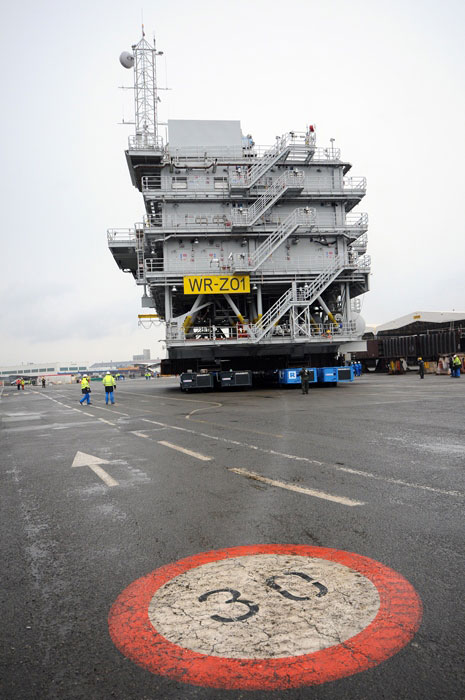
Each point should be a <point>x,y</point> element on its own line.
<point>265,617</point>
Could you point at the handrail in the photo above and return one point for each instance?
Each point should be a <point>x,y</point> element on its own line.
<point>120,235</point>
<point>360,243</point>
<point>299,217</point>
<point>259,168</point>
<point>154,184</point>
<point>356,219</point>
<point>248,216</point>
<point>196,221</point>
<point>145,142</point>
<point>190,221</point>
<point>317,332</point>
<point>306,294</point>
<point>354,184</point>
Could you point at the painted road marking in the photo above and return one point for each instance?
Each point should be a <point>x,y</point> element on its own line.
<point>399,482</point>
<point>197,455</point>
<point>265,617</point>
<point>112,410</point>
<point>140,434</point>
<point>106,421</point>
<point>82,459</point>
<point>307,460</point>
<point>299,489</point>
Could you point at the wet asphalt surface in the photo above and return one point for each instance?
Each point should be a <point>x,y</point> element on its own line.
<point>71,544</point>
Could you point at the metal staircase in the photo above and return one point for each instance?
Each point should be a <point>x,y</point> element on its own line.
<point>289,180</point>
<point>140,272</point>
<point>244,180</point>
<point>298,147</point>
<point>304,296</point>
<point>299,217</point>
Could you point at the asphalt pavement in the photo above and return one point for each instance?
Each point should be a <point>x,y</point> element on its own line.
<point>94,499</point>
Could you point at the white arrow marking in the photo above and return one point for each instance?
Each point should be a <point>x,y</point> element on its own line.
<point>84,460</point>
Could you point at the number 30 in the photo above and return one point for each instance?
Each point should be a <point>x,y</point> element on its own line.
<point>253,607</point>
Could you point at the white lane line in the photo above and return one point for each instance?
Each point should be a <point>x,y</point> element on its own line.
<point>112,410</point>
<point>197,455</point>
<point>311,461</point>
<point>86,413</point>
<point>109,481</point>
<point>299,489</point>
<point>139,434</point>
<point>106,421</point>
<point>391,480</point>
<point>236,442</point>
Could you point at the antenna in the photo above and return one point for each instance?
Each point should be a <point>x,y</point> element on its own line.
<point>143,59</point>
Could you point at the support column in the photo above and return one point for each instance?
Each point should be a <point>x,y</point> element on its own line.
<point>234,308</point>
<point>259,302</point>
<point>348,309</point>
<point>325,308</point>
<point>168,306</point>
<point>190,316</point>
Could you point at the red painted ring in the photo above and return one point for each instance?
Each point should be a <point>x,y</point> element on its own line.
<point>396,622</point>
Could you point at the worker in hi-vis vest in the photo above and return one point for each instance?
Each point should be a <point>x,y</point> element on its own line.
<point>85,389</point>
<point>109,383</point>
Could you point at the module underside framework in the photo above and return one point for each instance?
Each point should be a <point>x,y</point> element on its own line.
<point>251,255</point>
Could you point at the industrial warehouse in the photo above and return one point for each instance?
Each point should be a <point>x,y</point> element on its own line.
<point>434,336</point>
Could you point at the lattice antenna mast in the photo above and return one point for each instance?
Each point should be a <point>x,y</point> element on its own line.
<point>145,88</point>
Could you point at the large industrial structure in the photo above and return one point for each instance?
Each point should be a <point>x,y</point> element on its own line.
<point>252,256</point>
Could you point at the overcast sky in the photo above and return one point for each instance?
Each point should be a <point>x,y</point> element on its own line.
<point>386,80</point>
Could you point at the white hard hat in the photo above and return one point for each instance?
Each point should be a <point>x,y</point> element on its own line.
<point>108,372</point>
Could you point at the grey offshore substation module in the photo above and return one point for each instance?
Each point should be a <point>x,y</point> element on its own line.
<point>252,256</point>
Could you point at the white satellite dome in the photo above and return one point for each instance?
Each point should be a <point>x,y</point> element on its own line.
<point>126,59</point>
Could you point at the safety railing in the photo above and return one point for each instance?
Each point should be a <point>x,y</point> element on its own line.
<point>188,221</point>
<point>360,243</point>
<point>145,142</point>
<point>357,220</point>
<point>231,154</point>
<point>205,153</point>
<point>237,263</point>
<point>121,235</point>
<point>202,264</point>
<point>154,265</point>
<point>363,263</point>
<point>181,187</point>
<point>354,184</point>
<point>195,222</point>
<point>316,332</point>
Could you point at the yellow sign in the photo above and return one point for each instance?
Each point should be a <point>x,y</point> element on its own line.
<point>148,316</point>
<point>217,284</point>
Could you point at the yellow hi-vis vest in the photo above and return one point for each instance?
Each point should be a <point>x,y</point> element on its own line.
<point>108,380</point>
<point>84,383</point>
